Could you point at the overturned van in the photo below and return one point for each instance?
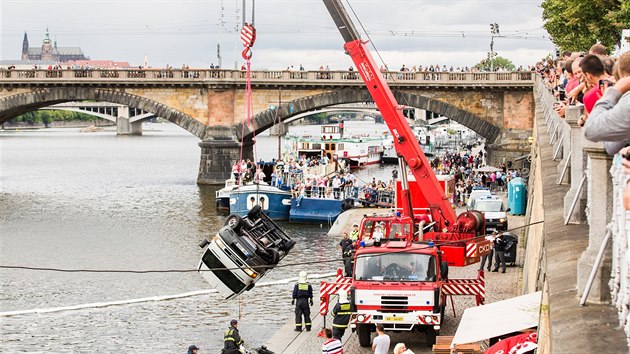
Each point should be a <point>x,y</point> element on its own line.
<point>242,252</point>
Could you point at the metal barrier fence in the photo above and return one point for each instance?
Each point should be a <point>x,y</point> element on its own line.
<point>595,198</point>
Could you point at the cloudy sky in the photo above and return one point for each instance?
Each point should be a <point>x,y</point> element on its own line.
<point>290,32</point>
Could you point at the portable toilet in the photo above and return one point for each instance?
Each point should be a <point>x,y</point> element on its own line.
<point>517,196</point>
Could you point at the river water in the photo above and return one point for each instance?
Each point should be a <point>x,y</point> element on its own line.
<point>101,201</point>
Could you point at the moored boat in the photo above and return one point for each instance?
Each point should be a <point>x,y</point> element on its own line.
<point>332,144</point>
<point>222,196</point>
<point>275,202</point>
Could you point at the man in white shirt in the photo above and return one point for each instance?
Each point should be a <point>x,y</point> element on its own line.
<point>381,342</point>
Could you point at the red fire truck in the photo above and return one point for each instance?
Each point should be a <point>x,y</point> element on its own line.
<point>400,278</point>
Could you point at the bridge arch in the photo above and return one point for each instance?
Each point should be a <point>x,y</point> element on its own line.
<point>14,105</point>
<point>272,116</point>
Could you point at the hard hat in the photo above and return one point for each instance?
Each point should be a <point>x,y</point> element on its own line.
<point>343,297</point>
<point>355,224</point>
<point>302,277</point>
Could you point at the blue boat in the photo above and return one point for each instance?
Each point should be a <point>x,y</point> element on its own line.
<point>307,209</point>
<point>321,205</point>
<point>275,202</point>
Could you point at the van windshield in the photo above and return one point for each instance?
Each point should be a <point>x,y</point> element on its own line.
<point>489,205</point>
<point>396,266</point>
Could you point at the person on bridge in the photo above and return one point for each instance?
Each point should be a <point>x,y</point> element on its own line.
<point>193,349</point>
<point>341,315</point>
<point>303,295</point>
<point>232,340</point>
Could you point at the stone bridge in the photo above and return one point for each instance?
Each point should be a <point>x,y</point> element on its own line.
<point>210,104</point>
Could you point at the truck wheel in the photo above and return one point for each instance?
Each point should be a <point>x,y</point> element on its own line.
<point>234,221</point>
<point>363,332</point>
<point>431,335</point>
<point>254,212</point>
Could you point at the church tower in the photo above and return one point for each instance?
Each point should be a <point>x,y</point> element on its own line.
<point>25,47</point>
<point>47,47</point>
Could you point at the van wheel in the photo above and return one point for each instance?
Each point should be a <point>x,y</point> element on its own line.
<point>363,332</point>
<point>234,221</point>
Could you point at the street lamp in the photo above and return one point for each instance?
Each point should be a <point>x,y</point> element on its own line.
<point>494,29</point>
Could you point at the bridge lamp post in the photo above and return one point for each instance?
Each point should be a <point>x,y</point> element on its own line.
<point>494,29</point>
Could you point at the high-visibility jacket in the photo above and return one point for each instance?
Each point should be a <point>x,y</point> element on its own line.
<point>341,315</point>
<point>302,290</point>
<point>231,339</point>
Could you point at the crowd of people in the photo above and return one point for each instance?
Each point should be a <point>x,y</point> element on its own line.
<point>601,84</point>
<point>463,167</point>
<point>308,177</point>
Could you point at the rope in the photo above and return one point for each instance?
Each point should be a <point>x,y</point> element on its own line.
<point>287,265</point>
<point>152,298</point>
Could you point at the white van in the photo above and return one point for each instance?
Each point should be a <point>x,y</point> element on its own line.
<point>242,252</point>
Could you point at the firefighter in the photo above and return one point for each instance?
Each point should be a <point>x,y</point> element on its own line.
<point>354,235</point>
<point>303,293</point>
<point>348,258</point>
<point>232,340</point>
<point>341,315</point>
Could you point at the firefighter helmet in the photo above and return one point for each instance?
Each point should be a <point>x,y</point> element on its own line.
<point>302,277</point>
<point>343,297</point>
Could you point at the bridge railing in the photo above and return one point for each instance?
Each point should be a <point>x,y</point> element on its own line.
<point>72,75</point>
<point>595,198</point>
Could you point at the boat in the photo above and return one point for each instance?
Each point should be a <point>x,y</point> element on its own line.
<point>274,202</point>
<point>320,205</point>
<point>222,196</point>
<point>421,134</point>
<point>331,144</point>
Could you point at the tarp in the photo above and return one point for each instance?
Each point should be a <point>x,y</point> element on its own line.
<point>498,318</point>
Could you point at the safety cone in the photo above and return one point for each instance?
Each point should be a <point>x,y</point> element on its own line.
<point>322,333</point>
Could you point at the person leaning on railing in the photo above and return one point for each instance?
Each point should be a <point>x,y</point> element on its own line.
<point>610,119</point>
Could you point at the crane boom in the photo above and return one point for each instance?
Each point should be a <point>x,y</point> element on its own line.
<point>405,142</point>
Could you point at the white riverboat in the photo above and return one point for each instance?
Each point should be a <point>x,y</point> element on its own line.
<point>333,145</point>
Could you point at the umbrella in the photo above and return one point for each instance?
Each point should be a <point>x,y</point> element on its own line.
<point>487,169</point>
<point>520,343</point>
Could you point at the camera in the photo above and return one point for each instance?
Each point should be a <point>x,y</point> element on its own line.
<point>605,83</point>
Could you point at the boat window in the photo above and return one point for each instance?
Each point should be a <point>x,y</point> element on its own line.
<point>230,280</point>
<point>395,266</point>
<point>340,146</point>
<point>317,146</point>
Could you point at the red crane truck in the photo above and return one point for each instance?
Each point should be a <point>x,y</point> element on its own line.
<point>400,278</point>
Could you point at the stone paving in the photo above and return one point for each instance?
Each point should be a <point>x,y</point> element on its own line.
<point>498,287</point>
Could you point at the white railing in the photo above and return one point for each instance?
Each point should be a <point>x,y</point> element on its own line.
<point>620,227</point>
<point>586,167</point>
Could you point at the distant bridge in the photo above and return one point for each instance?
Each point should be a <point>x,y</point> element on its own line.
<point>210,103</point>
<point>128,119</point>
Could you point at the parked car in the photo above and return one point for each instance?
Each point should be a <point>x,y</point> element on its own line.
<point>242,252</point>
<point>476,194</point>
<point>493,209</point>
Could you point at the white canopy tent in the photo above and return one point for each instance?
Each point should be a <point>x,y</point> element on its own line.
<point>483,322</point>
<point>487,169</point>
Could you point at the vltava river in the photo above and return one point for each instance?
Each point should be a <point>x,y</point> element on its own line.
<point>101,201</point>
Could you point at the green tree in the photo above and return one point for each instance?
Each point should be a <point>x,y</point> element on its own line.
<point>576,25</point>
<point>496,63</point>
